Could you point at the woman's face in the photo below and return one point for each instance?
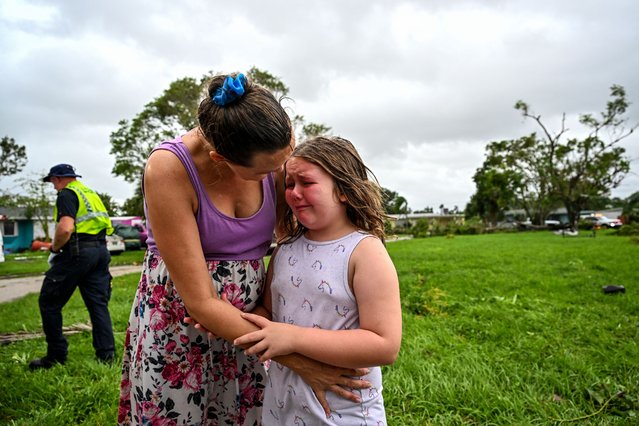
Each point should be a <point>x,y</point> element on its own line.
<point>263,164</point>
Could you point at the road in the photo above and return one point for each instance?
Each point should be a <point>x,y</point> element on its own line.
<point>14,288</point>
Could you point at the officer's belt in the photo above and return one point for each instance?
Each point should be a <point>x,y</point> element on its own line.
<point>96,243</point>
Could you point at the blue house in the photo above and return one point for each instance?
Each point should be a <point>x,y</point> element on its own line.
<point>18,230</point>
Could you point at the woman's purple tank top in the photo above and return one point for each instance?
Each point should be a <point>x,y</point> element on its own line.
<point>223,237</point>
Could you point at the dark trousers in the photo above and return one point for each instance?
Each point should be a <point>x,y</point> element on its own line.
<point>90,272</point>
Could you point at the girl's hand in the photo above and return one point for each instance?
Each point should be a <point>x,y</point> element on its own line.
<point>274,339</point>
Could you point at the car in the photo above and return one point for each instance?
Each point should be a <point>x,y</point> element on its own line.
<point>144,234</point>
<point>602,221</point>
<point>115,244</point>
<point>131,235</point>
<point>1,248</point>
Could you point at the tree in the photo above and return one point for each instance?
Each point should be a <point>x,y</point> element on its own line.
<point>550,170</point>
<point>426,209</point>
<point>37,198</point>
<point>494,193</point>
<point>134,206</point>
<point>579,169</point>
<point>394,203</point>
<point>13,157</point>
<point>173,113</point>
<point>515,173</point>
<point>111,206</point>
<point>630,213</point>
<point>268,80</point>
<point>306,130</point>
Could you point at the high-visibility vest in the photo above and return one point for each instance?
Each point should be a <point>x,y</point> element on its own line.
<point>92,216</point>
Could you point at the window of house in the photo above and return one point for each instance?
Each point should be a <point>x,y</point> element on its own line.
<point>9,228</point>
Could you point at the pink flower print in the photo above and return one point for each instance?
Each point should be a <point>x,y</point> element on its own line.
<point>125,387</point>
<point>165,305</point>
<point>157,295</point>
<point>255,264</point>
<point>149,410</point>
<point>127,339</point>
<point>143,283</point>
<point>234,295</point>
<point>250,395</point>
<point>153,262</point>
<point>173,374</point>
<point>193,378</point>
<point>170,347</point>
<point>177,311</point>
<point>158,320</point>
<point>124,409</point>
<point>213,265</point>
<point>228,367</point>
<point>184,339</point>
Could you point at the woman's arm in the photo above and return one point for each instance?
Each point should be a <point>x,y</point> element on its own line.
<point>376,342</point>
<point>171,203</point>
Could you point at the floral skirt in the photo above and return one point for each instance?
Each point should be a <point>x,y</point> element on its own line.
<point>173,374</point>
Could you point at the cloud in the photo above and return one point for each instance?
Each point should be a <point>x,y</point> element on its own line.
<point>419,87</point>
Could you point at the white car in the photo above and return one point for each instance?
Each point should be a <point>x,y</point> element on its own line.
<point>603,221</point>
<point>1,248</point>
<point>115,244</point>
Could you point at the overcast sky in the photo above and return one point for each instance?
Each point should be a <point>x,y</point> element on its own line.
<point>420,87</point>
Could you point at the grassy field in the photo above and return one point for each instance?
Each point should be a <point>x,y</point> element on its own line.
<point>35,263</point>
<point>504,329</point>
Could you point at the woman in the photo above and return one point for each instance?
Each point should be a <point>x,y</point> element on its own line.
<point>211,203</point>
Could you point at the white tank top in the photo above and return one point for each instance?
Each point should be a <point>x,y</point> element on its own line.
<point>310,289</point>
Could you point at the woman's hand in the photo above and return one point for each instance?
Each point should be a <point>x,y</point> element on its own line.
<point>324,378</point>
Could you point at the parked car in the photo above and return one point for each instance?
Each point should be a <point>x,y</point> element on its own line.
<point>603,221</point>
<point>134,221</point>
<point>143,234</point>
<point>131,235</point>
<point>115,244</point>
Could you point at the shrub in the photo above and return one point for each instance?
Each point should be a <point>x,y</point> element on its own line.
<point>585,225</point>
<point>472,226</point>
<point>630,229</point>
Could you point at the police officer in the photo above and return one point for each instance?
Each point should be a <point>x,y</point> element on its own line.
<point>79,258</point>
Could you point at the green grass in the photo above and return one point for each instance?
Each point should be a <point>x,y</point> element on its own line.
<point>35,263</point>
<point>504,329</point>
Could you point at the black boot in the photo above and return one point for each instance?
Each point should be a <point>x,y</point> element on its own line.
<point>44,363</point>
<point>106,359</point>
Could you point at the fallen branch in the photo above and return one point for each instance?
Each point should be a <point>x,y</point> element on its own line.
<point>7,338</point>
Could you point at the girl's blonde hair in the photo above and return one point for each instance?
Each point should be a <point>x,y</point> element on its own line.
<point>356,182</point>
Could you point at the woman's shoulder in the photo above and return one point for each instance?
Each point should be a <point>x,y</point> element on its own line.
<point>162,162</point>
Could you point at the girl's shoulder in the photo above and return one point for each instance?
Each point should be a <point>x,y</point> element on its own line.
<point>369,249</point>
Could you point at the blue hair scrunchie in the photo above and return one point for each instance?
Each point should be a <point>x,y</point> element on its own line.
<point>232,89</point>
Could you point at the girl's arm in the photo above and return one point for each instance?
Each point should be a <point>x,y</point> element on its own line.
<point>376,342</point>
